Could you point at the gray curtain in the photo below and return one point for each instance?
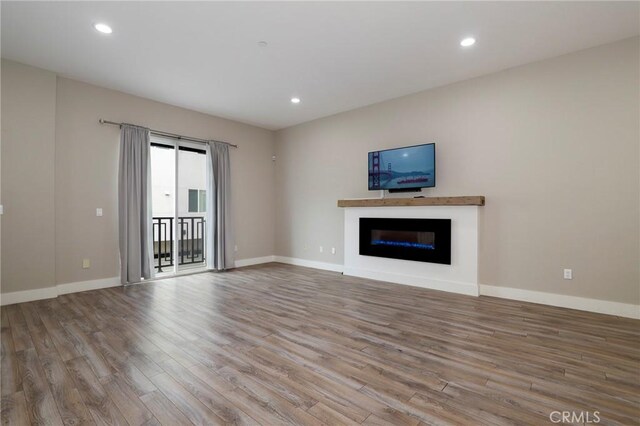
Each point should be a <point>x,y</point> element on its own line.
<point>219,227</point>
<point>134,205</point>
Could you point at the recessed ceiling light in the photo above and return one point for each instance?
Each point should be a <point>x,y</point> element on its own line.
<point>469,41</point>
<point>103,28</point>
<point>295,100</point>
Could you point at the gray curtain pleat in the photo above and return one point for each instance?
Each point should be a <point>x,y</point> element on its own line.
<point>134,205</point>
<point>219,227</point>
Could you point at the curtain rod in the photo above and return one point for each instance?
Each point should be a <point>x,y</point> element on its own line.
<point>167,134</point>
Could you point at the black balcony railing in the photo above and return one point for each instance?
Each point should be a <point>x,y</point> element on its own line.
<point>191,241</point>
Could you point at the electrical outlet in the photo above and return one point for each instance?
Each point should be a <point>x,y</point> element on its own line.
<point>98,212</point>
<point>86,263</point>
<point>568,274</point>
<point>333,250</point>
<point>321,249</point>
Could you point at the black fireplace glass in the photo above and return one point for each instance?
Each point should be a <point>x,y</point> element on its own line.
<point>422,240</point>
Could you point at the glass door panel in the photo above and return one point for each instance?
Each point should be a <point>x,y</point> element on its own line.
<point>163,185</point>
<point>191,210</point>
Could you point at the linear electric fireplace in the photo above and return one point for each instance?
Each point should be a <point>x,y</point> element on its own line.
<point>422,240</point>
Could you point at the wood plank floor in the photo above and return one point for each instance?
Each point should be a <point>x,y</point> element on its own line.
<point>277,344</point>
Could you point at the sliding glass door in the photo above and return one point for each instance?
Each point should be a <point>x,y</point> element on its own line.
<point>178,178</point>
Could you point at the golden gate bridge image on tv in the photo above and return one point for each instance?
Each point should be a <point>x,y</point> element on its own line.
<point>384,178</point>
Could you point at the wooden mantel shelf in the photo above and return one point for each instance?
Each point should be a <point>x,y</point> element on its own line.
<point>475,200</point>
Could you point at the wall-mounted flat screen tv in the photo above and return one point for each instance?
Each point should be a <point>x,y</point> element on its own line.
<point>403,169</point>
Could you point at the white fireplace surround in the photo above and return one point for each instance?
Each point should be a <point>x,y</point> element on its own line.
<point>459,277</point>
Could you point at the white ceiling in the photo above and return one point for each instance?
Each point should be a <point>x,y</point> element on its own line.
<point>335,56</point>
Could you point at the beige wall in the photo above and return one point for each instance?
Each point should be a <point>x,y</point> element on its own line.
<point>28,144</point>
<point>85,166</point>
<point>553,145</point>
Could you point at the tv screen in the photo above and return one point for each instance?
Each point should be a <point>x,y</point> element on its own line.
<point>412,167</point>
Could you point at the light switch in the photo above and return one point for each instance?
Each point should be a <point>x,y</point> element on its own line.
<point>98,212</point>
<point>86,263</point>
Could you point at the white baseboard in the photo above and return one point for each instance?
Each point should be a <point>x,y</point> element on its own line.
<point>309,263</point>
<point>626,310</point>
<point>470,289</point>
<point>55,291</point>
<point>88,285</point>
<point>28,295</point>
<point>254,261</point>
